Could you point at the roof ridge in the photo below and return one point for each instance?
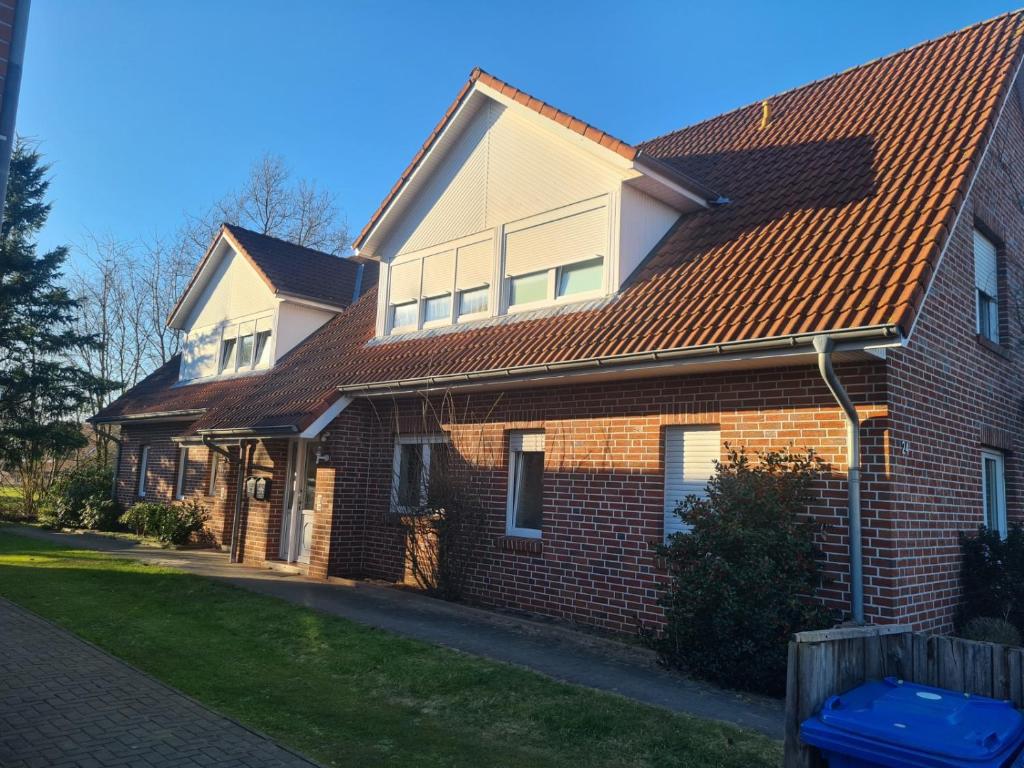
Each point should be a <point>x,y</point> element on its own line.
<point>834,75</point>
<point>231,225</point>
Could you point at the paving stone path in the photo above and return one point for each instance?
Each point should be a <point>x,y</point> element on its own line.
<point>64,703</point>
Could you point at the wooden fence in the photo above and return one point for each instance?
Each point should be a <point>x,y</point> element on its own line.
<point>832,661</point>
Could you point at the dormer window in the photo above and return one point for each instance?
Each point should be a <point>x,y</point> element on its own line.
<point>227,355</point>
<point>473,301</point>
<point>245,346</point>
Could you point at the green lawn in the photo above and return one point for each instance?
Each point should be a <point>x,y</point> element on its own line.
<point>345,694</point>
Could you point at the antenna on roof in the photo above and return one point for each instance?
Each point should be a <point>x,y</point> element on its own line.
<point>765,114</point>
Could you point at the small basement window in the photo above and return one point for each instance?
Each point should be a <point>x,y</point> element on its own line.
<point>525,504</point>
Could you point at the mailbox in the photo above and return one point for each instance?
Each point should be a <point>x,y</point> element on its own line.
<point>250,487</point>
<point>262,489</point>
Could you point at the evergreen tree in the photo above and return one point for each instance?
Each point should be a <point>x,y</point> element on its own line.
<point>42,394</point>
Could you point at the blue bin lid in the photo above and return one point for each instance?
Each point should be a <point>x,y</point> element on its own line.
<point>922,719</point>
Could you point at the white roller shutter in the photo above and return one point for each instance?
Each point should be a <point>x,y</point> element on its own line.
<point>438,273</point>
<point>690,455</point>
<point>578,237</point>
<point>405,281</point>
<point>526,441</point>
<point>475,265</point>
<point>986,264</point>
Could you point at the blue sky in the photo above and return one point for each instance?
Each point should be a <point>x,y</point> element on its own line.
<point>150,109</point>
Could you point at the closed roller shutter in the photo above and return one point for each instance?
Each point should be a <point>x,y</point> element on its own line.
<point>986,263</point>
<point>690,455</point>
<point>475,265</point>
<point>567,240</point>
<point>438,273</point>
<point>405,281</point>
<point>526,441</point>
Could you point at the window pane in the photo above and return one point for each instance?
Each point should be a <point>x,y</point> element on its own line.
<point>529,501</point>
<point>474,300</point>
<point>991,494</point>
<point>988,316</point>
<point>227,355</point>
<point>437,308</point>
<point>410,474</point>
<point>245,351</point>
<point>528,288</point>
<point>262,348</point>
<point>582,277</point>
<point>403,315</point>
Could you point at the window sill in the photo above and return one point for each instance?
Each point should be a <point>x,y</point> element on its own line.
<point>993,347</point>
<point>520,545</point>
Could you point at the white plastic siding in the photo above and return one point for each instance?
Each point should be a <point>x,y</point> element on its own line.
<point>501,169</point>
<point>690,454</point>
<point>554,243</point>
<point>643,221</point>
<point>294,323</point>
<point>986,263</point>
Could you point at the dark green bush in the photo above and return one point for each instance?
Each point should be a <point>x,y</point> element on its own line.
<point>743,579</point>
<point>992,576</point>
<point>170,523</point>
<point>989,630</point>
<point>81,498</point>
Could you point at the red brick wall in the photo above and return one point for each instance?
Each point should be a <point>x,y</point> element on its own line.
<point>947,388</point>
<point>604,482</point>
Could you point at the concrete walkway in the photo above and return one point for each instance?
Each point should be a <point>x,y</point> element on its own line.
<point>558,652</point>
<point>65,703</point>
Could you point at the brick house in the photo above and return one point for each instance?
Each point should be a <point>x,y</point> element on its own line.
<point>586,323</point>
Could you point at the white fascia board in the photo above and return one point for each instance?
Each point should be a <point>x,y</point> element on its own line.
<point>206,269</point>
<point>326,417</point>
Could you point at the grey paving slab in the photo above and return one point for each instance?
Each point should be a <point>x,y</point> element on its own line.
<point>66,704</point>
<point>551,649</point>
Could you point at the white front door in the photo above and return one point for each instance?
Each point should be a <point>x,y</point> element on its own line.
<point>299,500</point>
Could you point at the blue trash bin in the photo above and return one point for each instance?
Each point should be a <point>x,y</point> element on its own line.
<point>892,723</point>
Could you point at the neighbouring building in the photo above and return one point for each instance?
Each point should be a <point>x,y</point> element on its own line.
<point>586,323</point>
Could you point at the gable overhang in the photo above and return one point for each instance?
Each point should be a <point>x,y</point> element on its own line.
<point>854,345</point>
<point>646,173</point>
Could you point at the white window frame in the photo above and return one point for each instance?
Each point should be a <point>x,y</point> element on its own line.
<point>179,482</point>
<point>1000,496</point>
<point>426,442</point>
<point>143,467</point>
<point>214,470</point>
<point>511,529</point>
<point>236,330</point>
<point>552,299</point>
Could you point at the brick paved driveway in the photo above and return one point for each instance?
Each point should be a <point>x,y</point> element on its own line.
<point>64,703</point>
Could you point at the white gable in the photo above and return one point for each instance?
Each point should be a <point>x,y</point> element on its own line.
<point>503,167</point>
<point>234,289</point>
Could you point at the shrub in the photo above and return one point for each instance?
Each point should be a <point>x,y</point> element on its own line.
<point>992,576</point>
<point>742,579</point>
<point>80,498</point>
<point>170,523</point>
<point>990,630</point>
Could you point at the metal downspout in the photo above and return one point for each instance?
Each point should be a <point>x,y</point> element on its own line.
<point>236,523</point>
<point>824,345</point>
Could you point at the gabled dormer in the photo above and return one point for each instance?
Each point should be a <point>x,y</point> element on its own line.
<point>253,298</point>
<point>514,206</point>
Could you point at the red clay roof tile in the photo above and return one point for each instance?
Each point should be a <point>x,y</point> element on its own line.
<point>839,212</point>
